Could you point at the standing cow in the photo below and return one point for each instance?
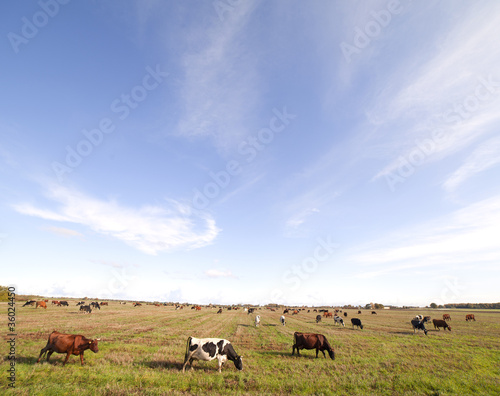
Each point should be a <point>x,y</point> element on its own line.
<point>318,318</point>
<point>282,319</point>
<point>418,325</point>
<point>207,349</point>
<point>339,320</point>
<point>257,320</point>
<point>440,323</point>
<point>312,341</point>
<point>41,304</point>
<point>69,344</point>
<point>356,322</point>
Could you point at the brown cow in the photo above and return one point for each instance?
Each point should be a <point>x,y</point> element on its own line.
<point>55,302</point>
<point>68,344</point>
<point>312,341</point>
<point>470,317</point>
<point>41,304</point>
<point>359,312</point>
<point>197,308</point>
<point>328,315</point>
<point>446,317</point>
<point>440,323</point>
<point>104,303</point>
<point>137,304</point>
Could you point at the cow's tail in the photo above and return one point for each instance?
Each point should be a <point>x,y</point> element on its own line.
<point>187,348</point>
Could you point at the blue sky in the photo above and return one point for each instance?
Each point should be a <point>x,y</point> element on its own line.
<point>326,152</point>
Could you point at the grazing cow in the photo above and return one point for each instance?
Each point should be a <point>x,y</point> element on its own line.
<point>250,310</point>
<point>282,320</point>
<point>345,314</point>
<point>295,312</point>
<point>339,320</point>
<point>418,325</point>
<point>315,310</point>
<point>104,303</point>
<point>63,304</point>
<point>327,314</point>
<point>156,305</point>
<point>55,302</point>
<point>359,312</point>
<point>80,303</point>
<point>30,302</point>
<point>41,304</point>
<point>211,348</point>
<point>440,323</point>
<point>312,341</point>
<point>446,317</point>
<point>70,344</point>
<point>285,311</point>
<point>356,322</point>
<point>318,318</point>
<point>470,317</point>
<point>374,312</point>
<point>219,311</point>
<point>85,309</point>
<point>96,305</point>
<point>139,304</point>
<point>257,320</point>
<point>197,308</point>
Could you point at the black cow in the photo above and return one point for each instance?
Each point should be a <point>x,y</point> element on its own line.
<point>318,318</point>
<point>356,322</point>
<point>85,309</point>
<point>345,314</point>
<point>312,341</point>
<point>418,325</point>
<point>63,303</point>
<point>30,302</point>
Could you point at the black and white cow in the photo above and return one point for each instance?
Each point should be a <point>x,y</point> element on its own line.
<point>282,319</point>
<point>418,325</point>
<point>211,348</point>
<point>339,320</point>
<point>257,320</point>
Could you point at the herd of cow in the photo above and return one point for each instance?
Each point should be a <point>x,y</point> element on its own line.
<point>207,349</point>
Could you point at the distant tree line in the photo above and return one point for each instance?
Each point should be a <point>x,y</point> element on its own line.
<point>468,305</point>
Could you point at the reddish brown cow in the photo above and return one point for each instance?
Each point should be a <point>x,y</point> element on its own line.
<point>312,341</point>
<point>41,304</point>
<point>55,302</point>
<point>470,317</point>
<point>440,323</point>
<point>137,304</point>
<point>359,312</point>
<point>104,303</point>
<point>70,344</point>
<point>446,317</point>
<point>197,308</point>
<point>327,315</point>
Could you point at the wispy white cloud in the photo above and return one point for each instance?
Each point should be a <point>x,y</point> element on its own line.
<point>151,229</point>
<point>444,88</point>
<point>217,273</point>
<point>64,231</point>
<point>219,88</point>
<point>465,236</point>
<point>482,158</point>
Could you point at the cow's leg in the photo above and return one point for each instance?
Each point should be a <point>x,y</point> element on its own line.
<point>49,354</point>
<point>293,349</point>
<point>67,357</point>
<point>189,360</point>
<point>81,358</point>
<point>42,351</point>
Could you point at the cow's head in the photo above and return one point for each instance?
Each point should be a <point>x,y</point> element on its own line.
<point>238,363</point>
<point>93,345</point>
<point>331,352</point>
<point>449,328</point>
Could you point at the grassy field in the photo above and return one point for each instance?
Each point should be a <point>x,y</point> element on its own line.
<point>142,352</point>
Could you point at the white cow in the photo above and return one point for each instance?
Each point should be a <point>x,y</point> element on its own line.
<point>257,320</point>
<point>282,319</point>
<point>339,320</point>
<point>211,348</point>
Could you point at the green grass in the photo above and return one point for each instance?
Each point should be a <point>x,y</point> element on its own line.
<point>142,352</point>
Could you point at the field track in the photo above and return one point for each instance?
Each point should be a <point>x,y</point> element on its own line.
<point>142,352</point>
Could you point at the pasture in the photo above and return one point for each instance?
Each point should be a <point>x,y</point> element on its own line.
<point>142,350</point>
